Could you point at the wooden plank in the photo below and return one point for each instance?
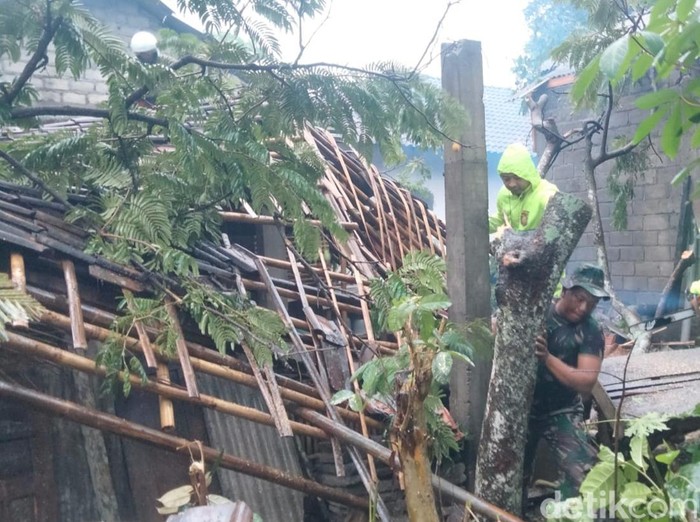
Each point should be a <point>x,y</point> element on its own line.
<point>182,353</point>
<point>109,276</point>
<point>75,310</point>
<point>166,409</point>
<point>323,393</point>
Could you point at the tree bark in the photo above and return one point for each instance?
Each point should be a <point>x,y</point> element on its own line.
<point>410,432</point>
<point>529,267</point>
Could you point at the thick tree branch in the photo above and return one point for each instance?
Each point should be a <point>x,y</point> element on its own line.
<point>604,154</point>
<point>606,122</point>
<point>36,60</point>
<point>68,110</point>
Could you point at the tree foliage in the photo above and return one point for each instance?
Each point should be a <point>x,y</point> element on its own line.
<point>655,40</point>
<point>214,123</point>
<point>550,22</point>
<point>412,302</point>
<point>643,483</point>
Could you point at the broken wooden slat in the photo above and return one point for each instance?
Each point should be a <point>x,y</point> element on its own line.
<point>355,384</point>
<point>19,282</point>
<point>150,357</point>
<point>274,402</point>
<point>74,308</point>
<point>109,276</point>
<point>182,354</point>
<point>165,405</point>
<point>321,380</point>
<point>298,346</point>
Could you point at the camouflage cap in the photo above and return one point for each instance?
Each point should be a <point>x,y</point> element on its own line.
<point>590,278</point>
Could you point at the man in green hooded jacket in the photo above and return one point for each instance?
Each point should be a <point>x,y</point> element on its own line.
<point>521,202</point>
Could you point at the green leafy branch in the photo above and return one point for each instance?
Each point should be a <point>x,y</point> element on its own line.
<point>412,302</point>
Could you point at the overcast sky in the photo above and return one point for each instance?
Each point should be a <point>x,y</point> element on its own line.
<point>358,32</point>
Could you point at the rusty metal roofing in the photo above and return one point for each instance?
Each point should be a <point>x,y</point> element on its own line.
<point>653,382</point>
<point>257,442</point>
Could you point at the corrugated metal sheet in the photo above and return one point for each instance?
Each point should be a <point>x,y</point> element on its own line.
<point>255,442</point>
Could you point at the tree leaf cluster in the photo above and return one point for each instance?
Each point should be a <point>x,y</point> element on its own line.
<point>16,306</point>
<point>216,122</point>
<point>654,41</point>
<point>643,483</point>
<point>412,302</point>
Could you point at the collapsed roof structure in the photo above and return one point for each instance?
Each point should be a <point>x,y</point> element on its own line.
<point>235,409</point>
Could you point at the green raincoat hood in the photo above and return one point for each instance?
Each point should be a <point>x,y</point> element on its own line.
<point>516,159</point>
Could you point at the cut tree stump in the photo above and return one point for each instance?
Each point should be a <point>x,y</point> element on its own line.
<point>529,267</point>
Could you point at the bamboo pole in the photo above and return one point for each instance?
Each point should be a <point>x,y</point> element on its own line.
<point>188,448</point>
<point>148,353</point>
<point>165,405</point>
<point>17,273</point>
<point>26,346</point>
<point>182,353</point>
<point>447,489</point>
<point>212,363</point>
<point>272,400</point>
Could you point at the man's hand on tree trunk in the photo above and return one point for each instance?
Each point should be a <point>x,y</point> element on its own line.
<point>541,350</point>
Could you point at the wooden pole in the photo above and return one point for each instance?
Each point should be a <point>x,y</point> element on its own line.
<point>467,241</point>
<point>188,448</point>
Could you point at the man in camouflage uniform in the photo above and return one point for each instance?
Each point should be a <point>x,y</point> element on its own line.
<point>569,362</point>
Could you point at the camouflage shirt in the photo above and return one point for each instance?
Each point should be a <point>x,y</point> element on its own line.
<point>564,341</point>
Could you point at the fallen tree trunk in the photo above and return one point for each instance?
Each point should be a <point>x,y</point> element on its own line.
<point>529,267</point>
